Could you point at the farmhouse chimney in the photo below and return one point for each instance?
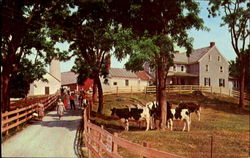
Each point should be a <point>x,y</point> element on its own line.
<point>212,44</point>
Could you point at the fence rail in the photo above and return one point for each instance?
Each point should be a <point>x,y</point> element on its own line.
<point>100,142</point>
<point>13,119</point>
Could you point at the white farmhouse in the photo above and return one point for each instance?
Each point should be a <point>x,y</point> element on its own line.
<point>53,84</point>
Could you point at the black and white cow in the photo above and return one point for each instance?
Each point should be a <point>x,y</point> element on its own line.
<point>178,114</point>
<point>192,107</point>
<point>132,113</point>
<point>172,114</point>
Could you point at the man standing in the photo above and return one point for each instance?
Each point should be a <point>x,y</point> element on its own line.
<point>72,101</point>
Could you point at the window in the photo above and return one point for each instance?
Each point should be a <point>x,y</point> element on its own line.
<point>126,83</point>
<point>115,83</point>
<point>206,67</point>
<point>218,58</point>
<point>221,69</point>
<point>174,68</point>
<point>209,57</point>
<point>221,82</point>
<point>46,90</point>
<point>207,81</point>
<point>182,68</point>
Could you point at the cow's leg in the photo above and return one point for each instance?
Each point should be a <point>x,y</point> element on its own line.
<point>171,124</point>
<point>198,114</point>
<point>152,122</point>
<point>148,122</point>
<point>168,123</point>
<point>188,125</point>
<point>184,127</point>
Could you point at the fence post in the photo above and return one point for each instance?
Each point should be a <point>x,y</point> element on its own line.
<point>229,92</point>
<point>100,140</point>
<point>211,146</point>
<point>145,88</point>
<point>145,144</point>
<point>115,145</point>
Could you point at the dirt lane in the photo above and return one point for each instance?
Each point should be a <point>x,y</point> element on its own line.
<point>48,138</point>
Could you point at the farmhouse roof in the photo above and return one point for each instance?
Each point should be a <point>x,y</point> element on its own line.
<point>143,75</point>
<point>120,72</point>
<point>69,78</point>
<point>194,57</point>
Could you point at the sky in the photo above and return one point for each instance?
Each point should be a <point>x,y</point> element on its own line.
<point>217,34</point>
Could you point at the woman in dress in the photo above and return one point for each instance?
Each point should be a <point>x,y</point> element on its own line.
<point>40,111</point>
<point>60,108</point>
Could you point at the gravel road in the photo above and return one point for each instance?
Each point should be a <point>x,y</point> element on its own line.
<point>48,138</point>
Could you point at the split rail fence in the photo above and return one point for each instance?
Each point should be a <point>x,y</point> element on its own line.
<point>101,143</point>
<point>177,89</point>
<point>13,119</point>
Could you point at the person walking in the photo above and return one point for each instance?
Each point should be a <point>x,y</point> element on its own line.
<point>60,108</point>
<point>40,111</point>
<point>65,100</point>
<point>72,101</point>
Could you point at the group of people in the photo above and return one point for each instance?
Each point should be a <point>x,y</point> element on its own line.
<point>68,98</point>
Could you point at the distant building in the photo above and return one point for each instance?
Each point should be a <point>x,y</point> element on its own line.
<point>69,79</point>
<point>205,66</point>
<point>53,84</point>
<point>122,78</point>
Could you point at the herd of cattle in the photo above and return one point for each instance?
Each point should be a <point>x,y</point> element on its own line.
<point>151,112</point>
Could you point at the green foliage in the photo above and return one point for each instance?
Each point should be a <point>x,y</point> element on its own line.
<point>156,27</point>
<point>236,15</point>
<point>234,68</point>
<point>28,73</point>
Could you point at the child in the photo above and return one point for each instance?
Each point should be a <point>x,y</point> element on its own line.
<point>60,108</point>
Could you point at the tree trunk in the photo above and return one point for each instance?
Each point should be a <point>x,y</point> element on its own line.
<point>5,96</point>
<point>94,95</point>
<point>243,64</point>
<point>162,93</point>
<point>100,95</point>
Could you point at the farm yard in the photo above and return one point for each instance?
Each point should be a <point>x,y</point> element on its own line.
<point>220,120</point>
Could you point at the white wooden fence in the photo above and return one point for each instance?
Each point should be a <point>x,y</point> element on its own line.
<point>177,89</point>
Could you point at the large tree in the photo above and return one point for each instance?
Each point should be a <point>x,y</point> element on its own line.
<point>88,31</point>
<point>236,15</point>
<point>25,32</point>
<point>158,25</point>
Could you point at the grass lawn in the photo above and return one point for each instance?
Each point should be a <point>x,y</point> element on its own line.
<point>220,118</point>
